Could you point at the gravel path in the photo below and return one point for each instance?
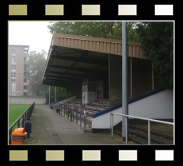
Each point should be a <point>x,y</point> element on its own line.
<point>49,128</point>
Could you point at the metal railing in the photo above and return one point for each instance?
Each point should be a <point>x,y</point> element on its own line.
<point>75,112</point>
<point>140,118</point>
<point>20,122</point>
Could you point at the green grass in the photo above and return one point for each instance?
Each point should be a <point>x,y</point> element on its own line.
<point>15,110</point>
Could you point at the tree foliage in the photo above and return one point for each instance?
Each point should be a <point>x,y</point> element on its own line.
<point>61,93</point>
<point>112,30</point>
<point>36,64</point>
<point>156,40</point>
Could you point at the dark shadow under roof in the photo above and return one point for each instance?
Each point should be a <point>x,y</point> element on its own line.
<point>73,58</point>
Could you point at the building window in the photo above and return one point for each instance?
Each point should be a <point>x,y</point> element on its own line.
<point>13,51</point>
<point>13,59</point>
<point>13,67</point>
<point>13,74</point>
<point>13,88</point>
<point>13,80</point>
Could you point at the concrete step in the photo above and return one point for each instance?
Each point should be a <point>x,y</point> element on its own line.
<point>133,137</point>
<point>90,107</point>
<point>141,137</point>
<point>155,138</point>
<point>138,140</point>
<point>152,132</point>
<point>100,104</point>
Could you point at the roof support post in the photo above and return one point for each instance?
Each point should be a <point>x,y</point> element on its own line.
<point>55,94</point>
<point>124,81</point>
<point>49,94</point>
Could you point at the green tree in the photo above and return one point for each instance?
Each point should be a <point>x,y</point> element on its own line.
<point>112,30</point>
<point>156,40</point>
<point>36,64</point>
<point>61,93</point>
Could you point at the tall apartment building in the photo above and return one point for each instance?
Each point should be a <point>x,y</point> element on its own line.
<point>17,70</point>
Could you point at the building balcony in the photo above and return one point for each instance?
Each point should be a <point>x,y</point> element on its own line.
<point>13,77</point>
<point>13,62</point>
<point>25,83</point>
<point>26,90</point>
<point>13,70</point>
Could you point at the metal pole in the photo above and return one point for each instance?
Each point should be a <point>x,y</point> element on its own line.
<point>84,121</point>
<point>126,130</point>
<point>152,77</point>
<point>131,79</point>
<point>72,112</point>
<point>80,117</point>
<point>49,94</point>
<point>77,114</point>
<point>55,94</point>
<point>149,133</point>
<point>124,80</point>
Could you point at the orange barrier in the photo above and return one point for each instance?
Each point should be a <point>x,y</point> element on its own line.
<point>18,136</point>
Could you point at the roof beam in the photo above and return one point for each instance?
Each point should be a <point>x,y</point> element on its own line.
<point>57,80</point>
<point>77,69</point>
<point>53,83</point>
<point>59,77</point>
<point>72,75</point>
<point>83,60</point>
<point>81,76</point>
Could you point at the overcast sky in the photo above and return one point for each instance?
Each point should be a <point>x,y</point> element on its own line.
<point>32,33</point>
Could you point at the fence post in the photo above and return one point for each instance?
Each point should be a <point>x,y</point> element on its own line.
<point>28,113</point>
<point>84,121</point>
<point>24,120</point>
<point>80,117</point>
<point>149,133</point>
<point>19,123</point>
<point>70,113</point>
<point>77,114</point>
<point>73,114</point>
<point>25,115</point>
<point>10,131</point>
<point>112,125</point>
<point>64,110</point>
<point>126,130</point>
<point>67,111</point>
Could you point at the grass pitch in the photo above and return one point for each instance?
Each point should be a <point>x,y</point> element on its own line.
<point>15,110</point>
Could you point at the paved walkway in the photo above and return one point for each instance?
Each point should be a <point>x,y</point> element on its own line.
<point>49,128</point>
